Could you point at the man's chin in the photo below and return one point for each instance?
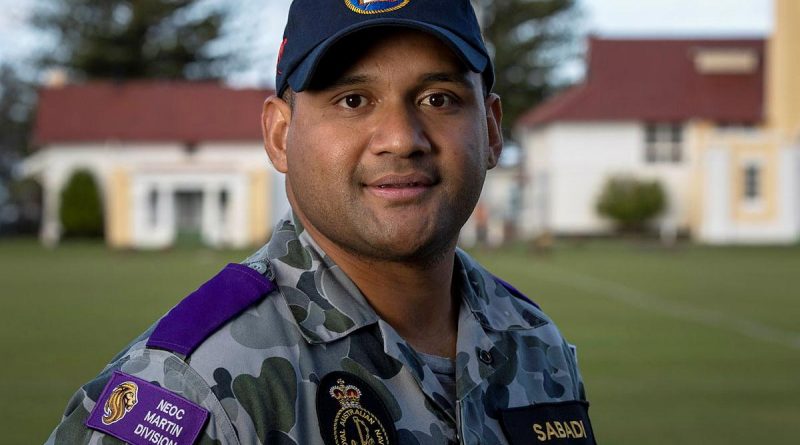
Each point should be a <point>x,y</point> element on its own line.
<point>412,247</point>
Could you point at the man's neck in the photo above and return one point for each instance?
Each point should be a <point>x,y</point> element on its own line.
<point>419,302</point>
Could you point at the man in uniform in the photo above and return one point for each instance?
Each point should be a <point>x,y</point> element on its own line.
<point>360,322</point>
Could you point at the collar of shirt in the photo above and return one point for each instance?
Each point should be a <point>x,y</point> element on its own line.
<point>326,306</point>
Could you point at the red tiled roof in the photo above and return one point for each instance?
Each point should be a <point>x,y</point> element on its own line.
<point>156,111</point>
<point>656,80</point>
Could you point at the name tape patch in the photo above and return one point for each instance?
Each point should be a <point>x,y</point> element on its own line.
<point>141,413</point>
<point>562,423</point>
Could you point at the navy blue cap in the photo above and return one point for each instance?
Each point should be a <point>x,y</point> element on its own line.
<point>315,26</point>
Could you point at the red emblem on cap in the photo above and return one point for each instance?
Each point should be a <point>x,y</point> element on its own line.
<point>280,52</point>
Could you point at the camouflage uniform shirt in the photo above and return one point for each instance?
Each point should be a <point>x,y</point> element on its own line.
<point>312,363</point>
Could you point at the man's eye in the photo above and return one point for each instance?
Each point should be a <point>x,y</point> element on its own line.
<point>438,100</point>
<point>353,101</point>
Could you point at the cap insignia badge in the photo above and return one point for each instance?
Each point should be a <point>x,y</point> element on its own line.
<point>375,6</point>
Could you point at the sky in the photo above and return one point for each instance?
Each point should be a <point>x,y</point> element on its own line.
<point>679,17</point>
<point>262,22</point>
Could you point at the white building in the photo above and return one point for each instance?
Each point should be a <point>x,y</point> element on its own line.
<point>493,222</point>
<point>174,160</point>
<point>693,114</point>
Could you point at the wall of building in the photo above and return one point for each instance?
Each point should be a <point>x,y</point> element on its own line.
<point>722,213</point>
<point>491,223</point>
<point>727,216</point>
<point>567,165</point>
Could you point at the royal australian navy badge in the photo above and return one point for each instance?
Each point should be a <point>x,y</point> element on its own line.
<point>350,412</point>
<point>375,6</point>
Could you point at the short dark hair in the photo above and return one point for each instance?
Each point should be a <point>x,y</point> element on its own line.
<point>288,97</point>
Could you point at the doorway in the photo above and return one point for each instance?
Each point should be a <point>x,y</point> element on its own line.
<point>188,217</point>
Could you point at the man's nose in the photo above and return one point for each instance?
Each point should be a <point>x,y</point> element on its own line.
<point>399,131</point>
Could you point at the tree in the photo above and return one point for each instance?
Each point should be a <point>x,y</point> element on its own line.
<point>631,203</point>
<point>528,39</point>
<point>81,209</point>
<point>24,207</point>
<point>127,39</point>
<point>17,99</point>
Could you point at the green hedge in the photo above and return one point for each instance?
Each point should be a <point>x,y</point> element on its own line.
<point>81,209</point>
<point>631,203</point>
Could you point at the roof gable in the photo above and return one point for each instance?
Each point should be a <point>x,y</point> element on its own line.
<point>148,111</point>
<point>659,80</point>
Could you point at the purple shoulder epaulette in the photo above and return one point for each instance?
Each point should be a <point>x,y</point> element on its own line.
<point>205,310</point>
<point>515,292</point>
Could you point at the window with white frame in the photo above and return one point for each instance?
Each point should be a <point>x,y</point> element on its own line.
<point>663,143</point>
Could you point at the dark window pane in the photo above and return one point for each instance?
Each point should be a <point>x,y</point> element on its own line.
<point>650,133</point>
<point>676,133</point>
<point>223,199</point>
<point>152,207</point>
<point>752,179</point>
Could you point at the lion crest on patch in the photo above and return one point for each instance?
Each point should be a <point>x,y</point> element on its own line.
<point>121,400</point>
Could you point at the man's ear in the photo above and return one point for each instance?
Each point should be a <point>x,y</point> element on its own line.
<point>494,118</point>
<point>275,119</point>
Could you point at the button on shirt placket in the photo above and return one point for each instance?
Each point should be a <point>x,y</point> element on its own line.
<point>477,360</point>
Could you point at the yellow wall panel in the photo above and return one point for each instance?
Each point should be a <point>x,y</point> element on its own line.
<point>697,142</point>
<point>783,70</point>
<point>119,233</point>
<point>260,205</point>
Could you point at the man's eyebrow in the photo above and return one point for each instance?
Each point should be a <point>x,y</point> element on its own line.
<point>461,78</point>
<point>347,81</point>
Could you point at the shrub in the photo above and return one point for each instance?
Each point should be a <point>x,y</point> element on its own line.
<point>631,203</point>
<point>81,209</point>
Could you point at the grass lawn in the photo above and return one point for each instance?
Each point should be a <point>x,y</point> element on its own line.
<point>692,345</point>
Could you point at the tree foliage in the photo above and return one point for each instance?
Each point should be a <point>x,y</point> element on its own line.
<point>528,38</point>
<point>631,203</point>
<point>17,99</point>
<point>81,209</point>
<point>127,39</point>
<point>24,207</point>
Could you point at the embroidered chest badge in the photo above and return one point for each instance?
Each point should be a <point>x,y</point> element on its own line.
<point>375,6</point>
<point>142,413</point>
<point>350,412</point>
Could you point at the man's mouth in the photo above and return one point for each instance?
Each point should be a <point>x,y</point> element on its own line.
<point>400,185</point>
<point>403,181</point>
<point>396,187</point>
